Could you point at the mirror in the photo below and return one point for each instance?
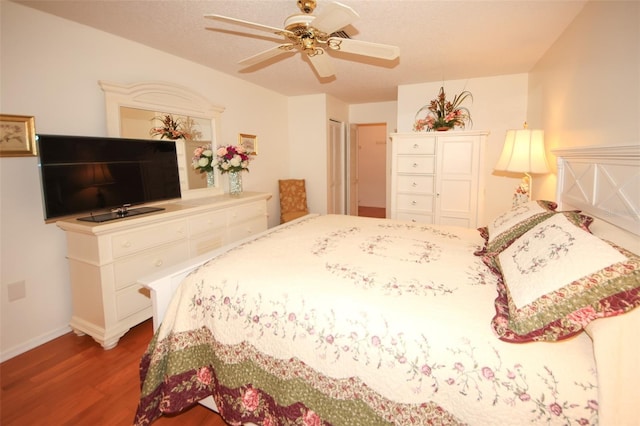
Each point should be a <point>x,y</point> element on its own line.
<point>132,110</point>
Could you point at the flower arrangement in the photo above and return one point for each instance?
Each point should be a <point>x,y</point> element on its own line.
<point>203,159</point>
<point>232,158</point>
<point>175,128</point>
<point>442,114</point>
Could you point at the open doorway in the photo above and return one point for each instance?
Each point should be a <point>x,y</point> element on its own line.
<point>368,171</point>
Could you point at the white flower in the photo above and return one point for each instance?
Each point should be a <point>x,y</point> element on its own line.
<point>236,161</point>
<point>207,153</point>
<point>203,162</point>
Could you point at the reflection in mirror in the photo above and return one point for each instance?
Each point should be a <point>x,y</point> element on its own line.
<point>134,109</point>
<point>137,123</point>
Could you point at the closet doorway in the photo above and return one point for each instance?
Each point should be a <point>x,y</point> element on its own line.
<point>367,169</point>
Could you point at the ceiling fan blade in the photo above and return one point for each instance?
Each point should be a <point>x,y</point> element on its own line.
<point>334,17</point>
<point>279,31</point>
<point>267,54</point>
<point>322,64</point>
<point>365,48</point>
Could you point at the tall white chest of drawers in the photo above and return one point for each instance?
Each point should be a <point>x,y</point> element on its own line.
<point>106,259</point>
<point>438,177</point>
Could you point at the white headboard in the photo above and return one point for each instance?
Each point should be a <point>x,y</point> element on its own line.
<point>603,182</point>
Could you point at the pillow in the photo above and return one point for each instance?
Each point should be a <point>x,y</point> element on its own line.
<point>508,226</point>
<point>558,277</point>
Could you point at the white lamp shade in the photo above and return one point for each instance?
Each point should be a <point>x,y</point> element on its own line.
<point>523,152</point>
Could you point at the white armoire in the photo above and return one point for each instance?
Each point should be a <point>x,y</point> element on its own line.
<point>437,177</point>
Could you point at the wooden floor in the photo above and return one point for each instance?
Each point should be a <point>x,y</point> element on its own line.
<point>379,212</point>
<point>73,381</point>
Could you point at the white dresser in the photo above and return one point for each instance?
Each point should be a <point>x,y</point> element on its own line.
<point>437,177</point>
<point>106,259</point>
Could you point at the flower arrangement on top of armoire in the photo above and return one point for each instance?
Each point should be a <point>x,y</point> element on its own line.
<point>175,128</point>
<point>444,115</point>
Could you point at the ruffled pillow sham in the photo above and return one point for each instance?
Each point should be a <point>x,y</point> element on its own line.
<point>507,227</point>
<point>557,277</point>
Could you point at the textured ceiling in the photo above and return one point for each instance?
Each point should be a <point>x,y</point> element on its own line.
<point>438,40</point>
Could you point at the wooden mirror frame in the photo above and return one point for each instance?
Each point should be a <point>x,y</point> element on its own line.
<point>164,98</point>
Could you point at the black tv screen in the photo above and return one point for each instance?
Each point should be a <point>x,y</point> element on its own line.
<point>84,174</point>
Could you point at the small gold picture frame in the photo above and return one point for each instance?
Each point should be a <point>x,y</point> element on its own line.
<point>17,136</point>
<point>249,143</point>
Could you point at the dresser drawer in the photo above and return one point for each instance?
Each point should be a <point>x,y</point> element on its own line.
<point>415,202</point>
<point>248,211</point>
<point>131,301</point>
<point>415,183</point>
<point>152,236</point>
<point>127,271</point>
<point>416,164</point>
<point>210,241</point>
<point>416,146</point>
<point>415,217</point>
<point>207,222</point>
<point>246,229</point>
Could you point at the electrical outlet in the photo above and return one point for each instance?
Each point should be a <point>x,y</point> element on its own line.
<point>17,291</point>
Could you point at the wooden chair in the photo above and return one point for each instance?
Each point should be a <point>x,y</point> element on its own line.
<point>293,199</point>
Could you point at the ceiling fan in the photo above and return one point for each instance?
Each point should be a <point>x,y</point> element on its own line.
<point>312,35</point>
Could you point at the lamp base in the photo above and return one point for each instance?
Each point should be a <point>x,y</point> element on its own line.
<point>522,193</point>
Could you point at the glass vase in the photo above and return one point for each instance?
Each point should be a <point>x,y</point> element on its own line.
<point>211,180</point>
<point>235,183</point>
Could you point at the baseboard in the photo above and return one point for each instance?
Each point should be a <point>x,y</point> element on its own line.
<point>33,343</point>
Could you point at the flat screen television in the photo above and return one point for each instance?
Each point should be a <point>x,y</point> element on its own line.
<point>95,175</point>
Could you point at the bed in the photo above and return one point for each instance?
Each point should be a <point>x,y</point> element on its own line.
<point>357,321</point>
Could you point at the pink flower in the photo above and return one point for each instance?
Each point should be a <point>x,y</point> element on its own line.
<point>488,373</point>
<point>592,405</point>
<point>292,317</point>
<point>311,419</point>
<point>375,341</point>
<point>402,359</point>
<point>204,375</point>
<point>329,339</point>
<point>458,366</point>
<point>251,399</point>
<point>221,152</point>
<point>426,370</point>
<point>583,316</point>
<point>524,397</point>
<point>555,408</point>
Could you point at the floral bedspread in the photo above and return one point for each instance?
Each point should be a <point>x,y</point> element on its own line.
<point>341,320</point>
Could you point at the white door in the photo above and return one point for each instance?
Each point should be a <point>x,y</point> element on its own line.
<point>337,188</point>
<point>352,172</point>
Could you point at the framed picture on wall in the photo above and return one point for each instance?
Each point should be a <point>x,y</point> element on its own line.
<point>249,142</point>
<point>17,136</point>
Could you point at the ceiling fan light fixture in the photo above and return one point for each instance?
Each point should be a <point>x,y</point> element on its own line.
<point>307,6</point>
<point>313,34</point>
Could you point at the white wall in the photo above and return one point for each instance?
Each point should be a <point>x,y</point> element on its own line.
<point>308,147</point>
<point>50,69</point>
<point>499,104</point>
<point>585,90</point>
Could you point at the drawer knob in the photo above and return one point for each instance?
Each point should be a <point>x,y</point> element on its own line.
<point>415,165</point>
<point>159,262</point>
<point>414,184</point>
<point>416,146</point>
<point>126,244</point>
<point>413,203</point>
